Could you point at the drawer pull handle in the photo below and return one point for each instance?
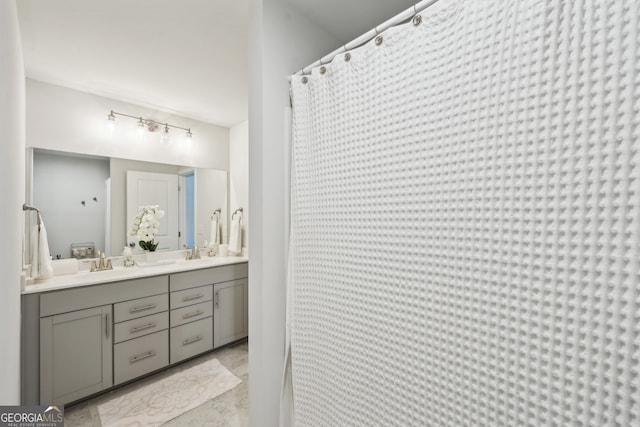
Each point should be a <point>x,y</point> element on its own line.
<point>142,308</point>
<point>194,314</point>
<point>142,356</point>
<point>192,340</point>
<point>192,297</point>
<point>143,327</point>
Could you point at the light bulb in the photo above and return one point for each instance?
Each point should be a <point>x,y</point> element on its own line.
<point>189,139</point>
<point>140,128</point>
<point>165,137</point>
<point>111,122</point>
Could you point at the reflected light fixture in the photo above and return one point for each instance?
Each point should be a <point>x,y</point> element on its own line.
<point>165,134</point>
<point>150,125</point>
<point>140,127</point>
<point>189,140</point>
<point>111,122</point>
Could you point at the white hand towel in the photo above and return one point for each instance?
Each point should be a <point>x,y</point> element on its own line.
<point>235,235</point>
<point>41,264</point>
<point>215,232</point>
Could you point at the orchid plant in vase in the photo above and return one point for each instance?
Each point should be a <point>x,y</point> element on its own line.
<point>146,225</point>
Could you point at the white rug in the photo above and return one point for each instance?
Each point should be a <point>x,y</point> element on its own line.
<point>161,401</point>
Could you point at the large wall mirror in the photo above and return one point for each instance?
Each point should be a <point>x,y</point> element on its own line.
<point>83,200</point>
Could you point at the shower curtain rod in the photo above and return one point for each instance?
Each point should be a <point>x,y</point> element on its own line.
<point>359,41</point>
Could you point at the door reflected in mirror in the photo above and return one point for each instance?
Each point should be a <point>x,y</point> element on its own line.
<point>85,201</point>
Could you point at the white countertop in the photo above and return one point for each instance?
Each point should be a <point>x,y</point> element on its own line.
<point>143,269</point>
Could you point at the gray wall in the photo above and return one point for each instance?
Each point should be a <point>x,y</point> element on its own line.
<point>60,183</point>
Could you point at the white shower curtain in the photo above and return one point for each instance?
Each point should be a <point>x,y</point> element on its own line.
<point>465,221</point>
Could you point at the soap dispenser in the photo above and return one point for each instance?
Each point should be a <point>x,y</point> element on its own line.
<point>128,257</point>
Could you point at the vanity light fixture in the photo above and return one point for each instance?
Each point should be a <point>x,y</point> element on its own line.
<point>148,124</point>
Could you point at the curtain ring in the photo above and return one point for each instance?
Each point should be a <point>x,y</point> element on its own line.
<point>305,80</point>
<point>378,40</point>
<point>323,69</point>
<point>347,57</point>
<point>417,20</point>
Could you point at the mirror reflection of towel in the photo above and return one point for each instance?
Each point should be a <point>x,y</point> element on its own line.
<point>41,264</point>
<point>216,232</point>
<point>235,235</point>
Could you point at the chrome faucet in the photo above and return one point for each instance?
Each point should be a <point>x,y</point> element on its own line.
<point>193,254</point>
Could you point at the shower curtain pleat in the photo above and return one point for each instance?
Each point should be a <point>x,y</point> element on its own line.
<point>465,221</point>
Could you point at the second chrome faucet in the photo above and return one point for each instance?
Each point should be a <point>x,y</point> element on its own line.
<point>194,253</point>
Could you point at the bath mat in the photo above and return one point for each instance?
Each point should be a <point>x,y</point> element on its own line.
<point>158,402</point>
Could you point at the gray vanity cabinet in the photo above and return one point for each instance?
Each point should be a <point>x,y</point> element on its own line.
<point>76,336</point>
<point>75,354</point>
<point>82,340</point>
<point>229,311</point>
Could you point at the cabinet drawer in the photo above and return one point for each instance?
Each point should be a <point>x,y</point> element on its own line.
<point>191,313</point>
<point>139,307</point>
<point>206,276</point>
<point>191,339</point>
<point>140,356</point>
<point>141,326</point>
<point>191,296</point>
<point>63,301</point>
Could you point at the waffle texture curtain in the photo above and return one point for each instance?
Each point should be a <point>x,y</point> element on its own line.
<point>465,221</point>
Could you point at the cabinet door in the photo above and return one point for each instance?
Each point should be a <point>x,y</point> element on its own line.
<point>76,354</point>
<point>229,312</point>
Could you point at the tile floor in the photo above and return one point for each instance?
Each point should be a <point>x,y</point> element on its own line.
<point>230,409</point>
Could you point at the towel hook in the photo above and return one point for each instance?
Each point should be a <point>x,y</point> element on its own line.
<point>216,213</point>
<point>237,211</point>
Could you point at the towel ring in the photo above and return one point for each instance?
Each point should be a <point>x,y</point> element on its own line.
<point>237,211</point>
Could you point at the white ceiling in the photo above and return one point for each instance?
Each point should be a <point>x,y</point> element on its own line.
<point>348,19</point>
<point>184,57</point>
